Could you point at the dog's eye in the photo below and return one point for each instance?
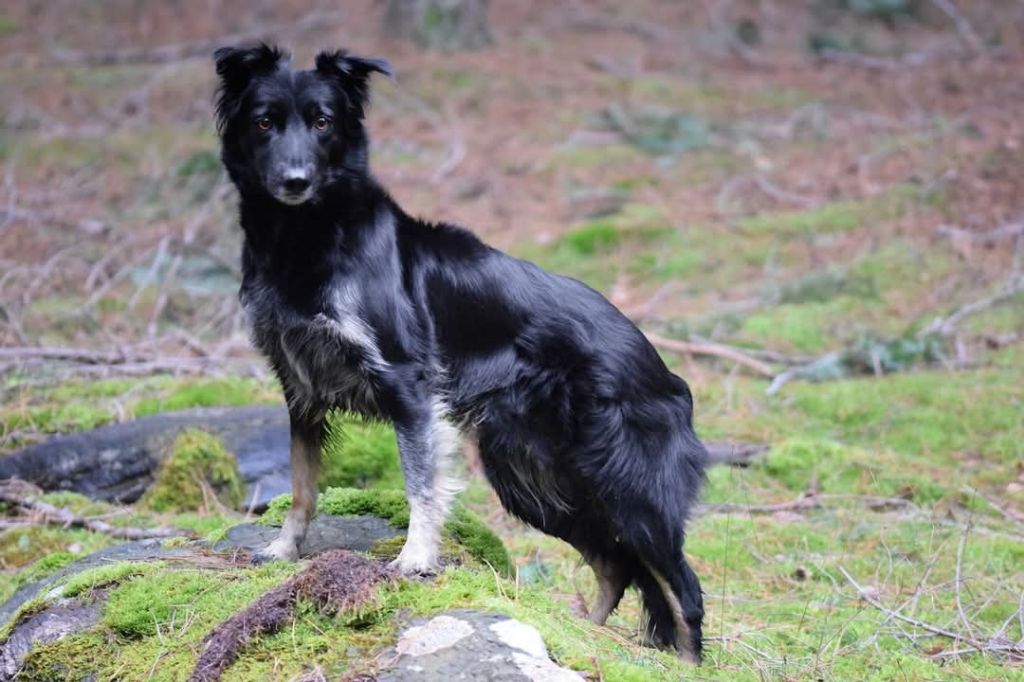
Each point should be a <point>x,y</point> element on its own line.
<point>264,123</point>
<point>322,123</point>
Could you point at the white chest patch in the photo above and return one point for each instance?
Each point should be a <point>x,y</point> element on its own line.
<point>327,359</point>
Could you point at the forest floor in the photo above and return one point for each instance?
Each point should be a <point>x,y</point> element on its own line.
<point>853,212</point>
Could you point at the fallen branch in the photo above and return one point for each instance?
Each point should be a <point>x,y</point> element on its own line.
<point>712,349</point>
<point>733,454</point>
<point>1007,513</point>
<point>126,362</point>
<point>946,326</point>
<point>28,501</point>
<point>933,629</point>
<point>815,501</point>
<point>71,354</point>
<point>963,27</point>
<point>805,502</point>
<point>872,63</point>
<point>987,239</point>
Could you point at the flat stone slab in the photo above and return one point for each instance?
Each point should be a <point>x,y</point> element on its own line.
<point>325,533</point>
<point>473,645</point>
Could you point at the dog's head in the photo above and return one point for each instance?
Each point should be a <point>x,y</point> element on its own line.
<point>288,132</point>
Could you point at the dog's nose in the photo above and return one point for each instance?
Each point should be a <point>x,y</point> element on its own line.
<point>296,184</point>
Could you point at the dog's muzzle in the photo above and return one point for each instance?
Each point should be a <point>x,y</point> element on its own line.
<point>295,187</point>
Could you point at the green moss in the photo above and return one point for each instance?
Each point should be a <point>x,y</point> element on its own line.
<point>593,238</point>
<point>8,25</point>
<point>71,658</point>
<point>196,459</point>
<point>75,585</point>
<point>160,614</point>
<point>54,418</point>
<point>86,581</point>
<point>804,328</point>
<point>389,505</point>
<point>46,566</point>
<point>463,526</point>
<point>594,157</point>
<point>209,393</point>
<point>572,641</point>
<point>468,530</point>
<point>360,454</point>
<point>32,606</point>
<point>139,607</point>
<point>211,526</point>
<point>836,216</point>
<point>202,162</point>
<point>77,503</point>
<point>21,546</point>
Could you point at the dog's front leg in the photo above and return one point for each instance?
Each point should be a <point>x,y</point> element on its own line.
<point>306,438</point>
<point>426,442</point>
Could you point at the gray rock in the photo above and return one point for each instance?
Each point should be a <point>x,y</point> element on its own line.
<point>137,550</point>
<point>60,620</point>
<point>325,533</point>
<point>473,645</point>
<point>116,463</point>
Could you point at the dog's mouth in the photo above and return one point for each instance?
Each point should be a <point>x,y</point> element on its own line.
<point>293,197</point>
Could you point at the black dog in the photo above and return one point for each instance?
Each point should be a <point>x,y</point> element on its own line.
<point>582,430</point>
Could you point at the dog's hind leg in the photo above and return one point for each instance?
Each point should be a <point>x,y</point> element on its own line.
<point>426,444</point>
<point>684,637</point>
<point>612,581</point>
<point>306,438</point>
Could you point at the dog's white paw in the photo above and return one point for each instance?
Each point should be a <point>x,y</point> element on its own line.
<point>413,561</point>
<point>278,550</point>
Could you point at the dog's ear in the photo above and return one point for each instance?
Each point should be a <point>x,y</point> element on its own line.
<point>237,66</point>
<point>353,74</point>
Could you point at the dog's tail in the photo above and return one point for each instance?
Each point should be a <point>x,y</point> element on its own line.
<point>673,606</point>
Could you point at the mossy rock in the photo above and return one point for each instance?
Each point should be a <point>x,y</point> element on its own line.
<point>198,462</point>
<point>154,622</point>
<point>464,532</point>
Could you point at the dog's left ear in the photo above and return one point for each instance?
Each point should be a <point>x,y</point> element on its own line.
<point>353,74</point>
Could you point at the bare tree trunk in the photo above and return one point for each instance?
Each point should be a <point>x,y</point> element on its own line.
<point>439,24</point>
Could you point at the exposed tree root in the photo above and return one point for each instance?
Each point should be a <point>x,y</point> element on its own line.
<point>334,582</point>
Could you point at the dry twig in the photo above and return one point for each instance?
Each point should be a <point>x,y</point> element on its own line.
<point>811,501</point>
<point>946,326</point>
<point>25,497</point>
<point>711,349</point>
<point>975,645</point>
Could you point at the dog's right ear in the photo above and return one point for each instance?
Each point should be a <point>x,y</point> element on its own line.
<point>237,66</point>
